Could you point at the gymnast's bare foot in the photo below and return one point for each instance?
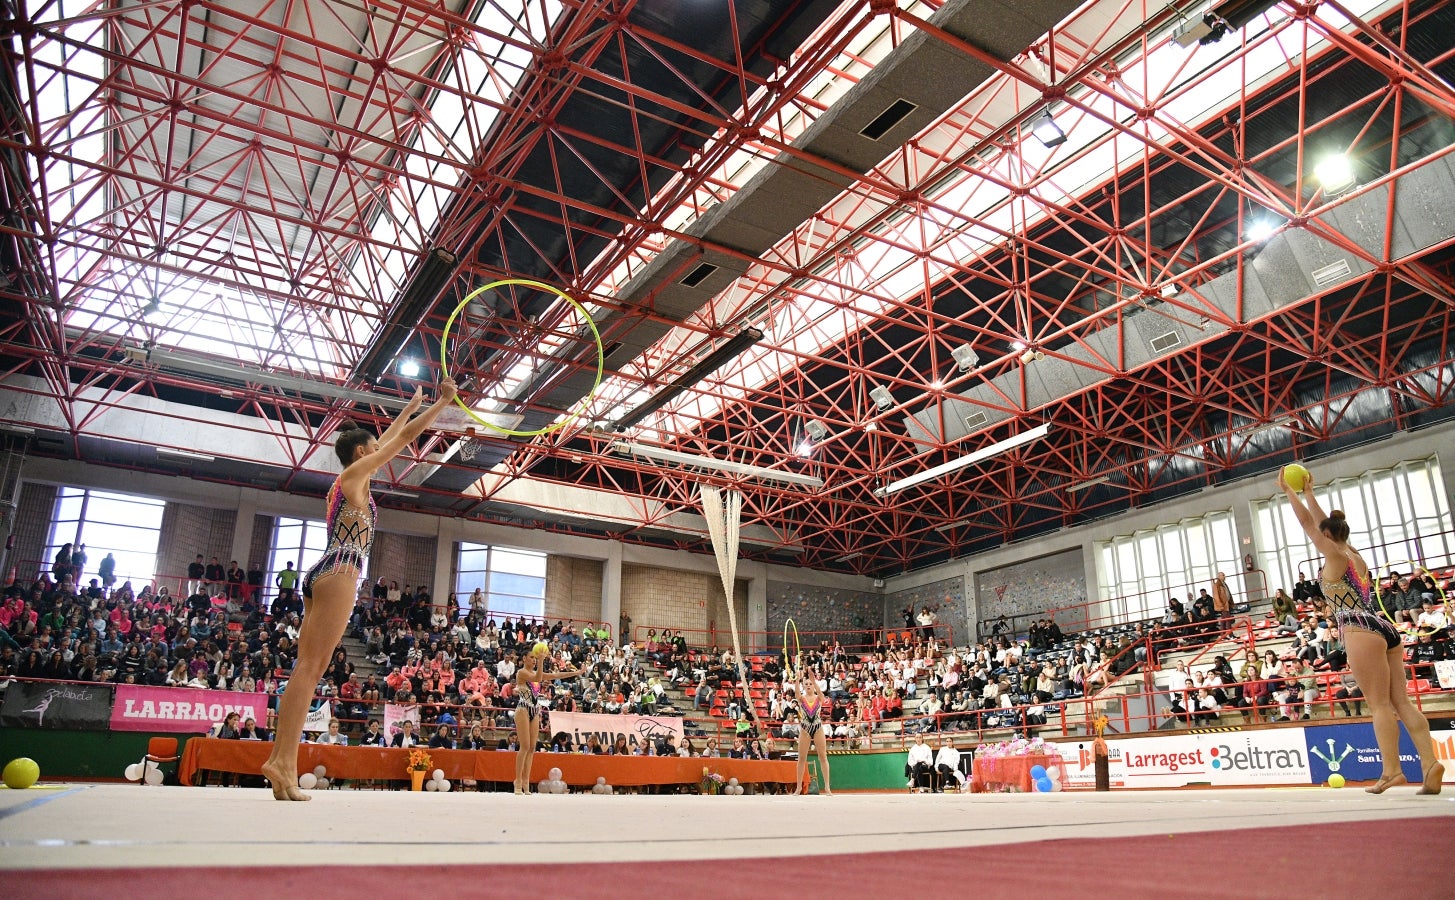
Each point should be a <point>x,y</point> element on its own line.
<point>1434,775</point>
<point>1385,783</point>
<point>284,784</point>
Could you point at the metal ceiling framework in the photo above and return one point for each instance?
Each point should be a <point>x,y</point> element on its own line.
<point>274,172</point>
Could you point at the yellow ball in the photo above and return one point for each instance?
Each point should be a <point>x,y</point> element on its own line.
<point>21,773</point>
<point>540,649</point>
<point>1295,476</point>
<point>1336,781</point>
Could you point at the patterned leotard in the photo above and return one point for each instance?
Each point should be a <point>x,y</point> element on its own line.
<point>527,699</point>
<point>1354,606</point>
<point>350,535</point>
<point>811,723</point>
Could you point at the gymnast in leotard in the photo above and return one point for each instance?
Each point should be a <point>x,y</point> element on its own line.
<point>528,680</point>
<point>811,702</point>
<point>1376,657</point>
<point>332,584</point>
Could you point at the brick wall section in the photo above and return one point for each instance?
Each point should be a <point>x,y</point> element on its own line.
<point>260,545</point>
<point>690,601</point>
<point>189,530</point>
<point>408,559</point>
<point>32,526</point>
<point>573,588</point>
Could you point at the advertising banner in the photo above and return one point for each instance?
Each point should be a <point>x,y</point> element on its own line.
<point>141,708</point>
<point>607,727</point>
<point>1225,759</point>
<point>49,704</point>
<point>1350,750</point>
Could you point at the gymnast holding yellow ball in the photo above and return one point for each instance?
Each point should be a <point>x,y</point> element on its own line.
<point>528,680</point>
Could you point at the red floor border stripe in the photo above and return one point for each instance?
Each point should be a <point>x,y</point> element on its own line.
<point>1342,859</point>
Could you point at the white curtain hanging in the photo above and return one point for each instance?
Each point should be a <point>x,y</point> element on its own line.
<point>724,514</point>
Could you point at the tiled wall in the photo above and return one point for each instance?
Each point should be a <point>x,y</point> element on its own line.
<point>260,545</point>
<point>669,598</point>
<point>408,559</point>
<point>573,589</point>
<point>32,526</point>
<point>189,530</point>
<point>1034,586</point>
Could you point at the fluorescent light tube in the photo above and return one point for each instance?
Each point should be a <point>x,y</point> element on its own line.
<point>1089,483</point>
<point>1010,443</point>
<point>662,454</point>
<point>185,454</point>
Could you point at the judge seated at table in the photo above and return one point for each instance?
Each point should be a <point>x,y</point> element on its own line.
<point>406,737</point>
<point>919,767</point>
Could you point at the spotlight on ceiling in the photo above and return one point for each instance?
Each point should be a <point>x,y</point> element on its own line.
<point>153,306</point>
<point>965,357</point>
<point>815,429</point>
<point>1018,345</point>
<point>409,369</point>
<point>1335,173</point>
<point>1260,230</point>
<point>1046,130</point>
<point>881,397</point>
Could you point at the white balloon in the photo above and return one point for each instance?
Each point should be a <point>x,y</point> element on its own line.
<point>133,772</point>
<point>1053,772</point>
<point>308,781</point>
<point>1056,785</point>
<point>444,786</point>
<point>554,775</point>
<point>154,775</point>
<point>544,787</point>
<point>561,787</point>
<point>319,771</point>
<point>733,782</point>
<point>439,775</point>
<point>601,779</point>
<point>323,784</point>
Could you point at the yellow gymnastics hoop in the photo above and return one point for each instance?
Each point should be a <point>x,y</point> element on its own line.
<point>576,411</point>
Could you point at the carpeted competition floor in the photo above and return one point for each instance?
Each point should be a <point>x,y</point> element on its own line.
<point>118,841</point>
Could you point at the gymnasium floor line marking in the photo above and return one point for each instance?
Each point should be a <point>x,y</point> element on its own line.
<point>107,842</point>
<point>38,801</point>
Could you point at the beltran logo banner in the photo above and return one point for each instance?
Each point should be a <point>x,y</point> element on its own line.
<point>190,710</point>
<point>1275,756</point>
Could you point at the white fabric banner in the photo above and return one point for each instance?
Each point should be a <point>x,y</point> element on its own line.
<point>1445,673</point>
<point>607,727</point>
<point>394,713</point>
<point>317,719</point>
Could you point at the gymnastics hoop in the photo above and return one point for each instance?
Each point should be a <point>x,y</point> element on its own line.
<point>575,412</point>
<point>1444,600</point>
<point>797,648</point>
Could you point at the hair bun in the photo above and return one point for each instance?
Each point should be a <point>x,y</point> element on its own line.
<point>1337,514</point>
<point>347,425</point>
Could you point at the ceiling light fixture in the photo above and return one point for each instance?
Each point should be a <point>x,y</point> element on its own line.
<point>815,429</point>
<point>232,372</point>
<point>984,453</point>
<point>409,368</point>
<point>881,397</point>
<point>436,269</point>
<point>1335,173</point>
<point>709,364</point>
<point>965,357</point>
<point>709,464</point>
<point>951,526</point>
<point>1260,230</point>
<point>1046,130</point>
<point>848,556</point>
<point>395,492</point>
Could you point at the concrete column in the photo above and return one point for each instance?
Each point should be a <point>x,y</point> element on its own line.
<point>242,533</point>
<point>442,589</point>
<point>611,592</point>
<point>757,611</point>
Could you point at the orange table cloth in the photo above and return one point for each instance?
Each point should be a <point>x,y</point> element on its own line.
<point>1010,772</point>
<point>386,763</point>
